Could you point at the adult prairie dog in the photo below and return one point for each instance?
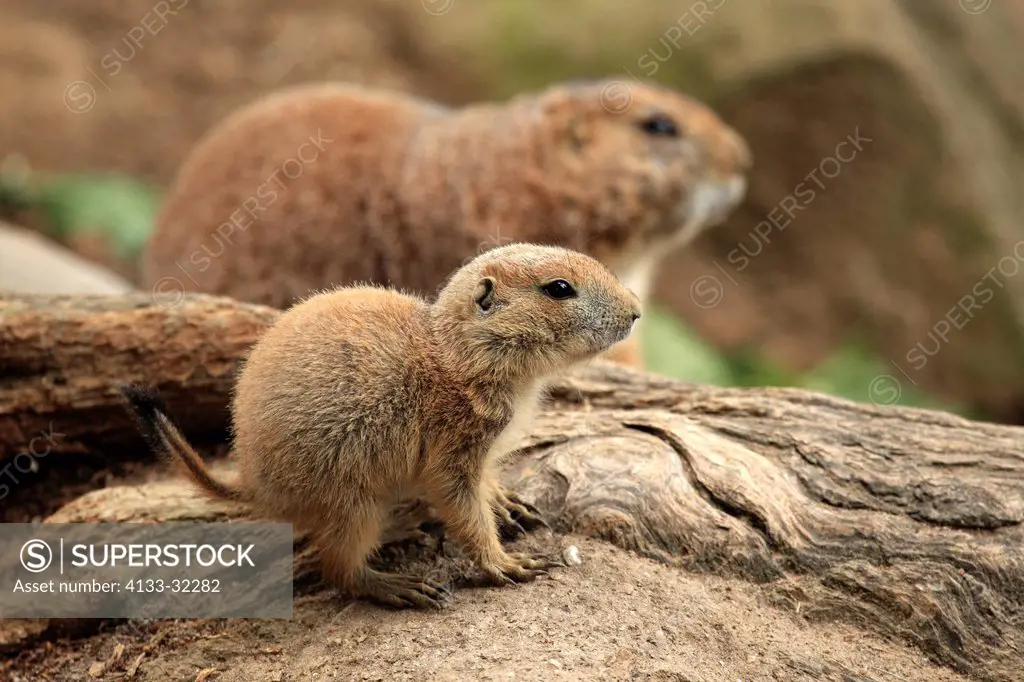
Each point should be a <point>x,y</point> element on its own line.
<point>360,397</point>
<point>329,184</point>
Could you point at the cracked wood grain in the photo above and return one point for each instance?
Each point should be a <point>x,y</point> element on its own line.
<point>906,522</point>
<point>62,356</point>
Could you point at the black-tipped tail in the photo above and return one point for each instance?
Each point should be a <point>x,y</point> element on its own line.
<point>149,411</point>
<point>144,405</point>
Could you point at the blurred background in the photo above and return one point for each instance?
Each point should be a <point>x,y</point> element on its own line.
<point>889,269</point>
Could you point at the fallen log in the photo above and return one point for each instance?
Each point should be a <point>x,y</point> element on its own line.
<point>904,522</point>
<point>900,521</point>
<point>61,358</point>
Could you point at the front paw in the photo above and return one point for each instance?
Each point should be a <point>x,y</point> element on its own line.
<point>510,569</point>
<point>516,516</point>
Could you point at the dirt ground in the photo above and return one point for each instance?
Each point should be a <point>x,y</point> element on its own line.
<point>587,622</point>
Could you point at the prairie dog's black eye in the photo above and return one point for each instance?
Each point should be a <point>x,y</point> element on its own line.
<point>558,289</point>
<point>659,125</point>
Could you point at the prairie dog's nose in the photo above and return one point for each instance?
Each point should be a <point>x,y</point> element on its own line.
<point>742,156</point>
<point>729,155</point>
<point>635,312</point>
<point>636,305</point>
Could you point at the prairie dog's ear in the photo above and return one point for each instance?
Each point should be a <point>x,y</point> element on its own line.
<point>564,115</point>
<point>576,133</point>
<point>483,295</point>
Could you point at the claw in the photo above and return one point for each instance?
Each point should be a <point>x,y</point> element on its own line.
<point>531,519</point>
<point>517,515</point>
<point>516,499</point>
<point>511,529</point>
<point>553,563</point>
<point>440,543</point>
<point>518,568</point>
<point>529,575</point>
<point>500,578</point>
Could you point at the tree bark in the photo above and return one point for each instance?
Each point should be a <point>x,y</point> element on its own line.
<point>901,521</point>
<point>61,358</point>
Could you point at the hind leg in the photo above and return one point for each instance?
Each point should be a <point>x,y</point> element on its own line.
<point>411,521</point>
<point>344,549</point>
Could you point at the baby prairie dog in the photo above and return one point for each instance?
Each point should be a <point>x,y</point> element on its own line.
<point>360,397</point>
<point>328,184</point>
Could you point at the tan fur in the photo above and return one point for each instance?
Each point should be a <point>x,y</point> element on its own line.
<point>358,398</point>
<point>401,191</point>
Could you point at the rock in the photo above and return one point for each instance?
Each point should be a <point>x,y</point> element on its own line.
<point>30,263</point>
